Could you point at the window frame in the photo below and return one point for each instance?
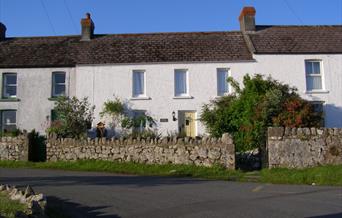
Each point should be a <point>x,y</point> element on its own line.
<point>218,70</point>
<point>187,94</point>
<point>143,95</point>
<point>321,75</point>
<point>2,119</point>
<point>54,84</point>
<point>136,113</point>
<point>4,85</point>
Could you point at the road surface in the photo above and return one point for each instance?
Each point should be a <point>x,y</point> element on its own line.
<point>90,194</point>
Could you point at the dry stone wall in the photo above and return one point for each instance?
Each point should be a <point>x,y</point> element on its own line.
<point>303,147</point>
<point>201,152</point>
<point>14,148</point>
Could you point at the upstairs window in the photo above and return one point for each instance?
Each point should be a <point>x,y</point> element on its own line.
<point>138,83</point>
<point>222,84</point>
<point>9,85</point>
<point>181,83</point>
<point>58,84</point>
<point>313,71</point>
<point>8,121</point>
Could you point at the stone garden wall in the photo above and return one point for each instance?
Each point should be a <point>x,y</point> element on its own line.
<point>201,152</point>
<point>303,147</point>
<point>14,148</point>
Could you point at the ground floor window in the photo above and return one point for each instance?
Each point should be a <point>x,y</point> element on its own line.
<point>8,121</point>
<point>139,120</point>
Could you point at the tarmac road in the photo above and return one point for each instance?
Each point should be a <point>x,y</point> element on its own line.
<point>90,194</point>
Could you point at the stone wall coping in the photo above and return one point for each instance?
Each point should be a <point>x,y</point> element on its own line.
<point>164,141</point>
<point>313,131</point>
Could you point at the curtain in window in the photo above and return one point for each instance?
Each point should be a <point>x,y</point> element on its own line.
<point>10,85</point>
<point>222,84</point>
<point>138,84</point>
<point>312,67</point>
<point>58,83</point>
<point>180,83</point>
<point>313,75</point>
<point>314,82</point>
<point>8,121</point>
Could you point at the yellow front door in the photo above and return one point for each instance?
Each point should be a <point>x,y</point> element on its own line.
<point>189,124</point>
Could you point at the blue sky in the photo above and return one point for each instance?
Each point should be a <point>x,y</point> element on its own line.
<point>62,17</point>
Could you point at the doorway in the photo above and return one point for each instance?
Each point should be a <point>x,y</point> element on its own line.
<point>187,123</point>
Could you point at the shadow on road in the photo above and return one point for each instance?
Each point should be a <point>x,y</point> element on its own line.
<point>58,208</point>
<point>335,215</point>
<point>139,181</point>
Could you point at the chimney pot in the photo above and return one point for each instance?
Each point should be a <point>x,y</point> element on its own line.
<point>2,32</point>
<point>87,28</point>
<point>247,19</point>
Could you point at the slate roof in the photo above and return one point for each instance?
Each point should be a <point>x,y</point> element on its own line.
<point>65,51</point>
<point>297,39</point>
<point>123,48</point>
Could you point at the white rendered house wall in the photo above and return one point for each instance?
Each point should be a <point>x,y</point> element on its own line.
<point>34,89</point>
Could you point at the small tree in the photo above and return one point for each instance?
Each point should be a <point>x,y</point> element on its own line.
<point>73,117</point>
<point>115,110</point>
<point>261,103</point>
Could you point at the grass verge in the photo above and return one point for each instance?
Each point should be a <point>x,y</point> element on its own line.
<point>8,208</point>
<point>322,175</point>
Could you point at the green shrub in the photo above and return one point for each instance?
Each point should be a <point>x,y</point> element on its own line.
<point>138,122</point>
<point>114,110</point>
<point>260,104</point>
<point>74,117</point>
<point>13,133</point>
<point>148,133</point>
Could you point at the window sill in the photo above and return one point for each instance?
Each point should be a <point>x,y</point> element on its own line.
<point>140,98</point>
<point>53,98</point>
<point>9,99</point>
<point>183,97</point>
<point>219,96</point>
<point>317,92</point>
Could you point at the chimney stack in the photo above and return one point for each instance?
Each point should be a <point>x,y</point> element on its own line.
<point>87,28</point>
<point>247,19</point>
<point>2,32</point>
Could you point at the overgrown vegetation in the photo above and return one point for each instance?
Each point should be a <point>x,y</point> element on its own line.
<point>13,133</point>
<point>132,124</point>
<point>114,110</point>
<point>74,117</point>
<point>261,103</point>
<point>322,175</point>
<point>140,126</point>
<point>8,208</point>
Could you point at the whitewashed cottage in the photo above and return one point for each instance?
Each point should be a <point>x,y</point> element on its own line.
<point>167,75</point>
